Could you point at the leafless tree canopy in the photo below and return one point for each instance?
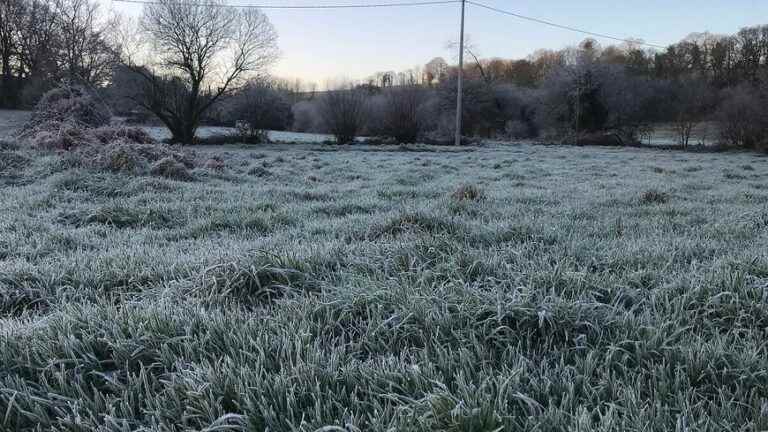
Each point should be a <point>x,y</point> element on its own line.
<point>203,52</point>
<point>400,113</point>
<point>43,42</point>
<point>344,112</point>
<point>85,51</point>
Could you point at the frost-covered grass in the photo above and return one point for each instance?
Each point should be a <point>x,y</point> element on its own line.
<point>307,288</point>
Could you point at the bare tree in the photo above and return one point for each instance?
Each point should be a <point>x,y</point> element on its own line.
<point>38,41</point>
<point>256,108</point>
<point>85,54</point>
<point>204,51</point>
<point>691,100</point>
<point>344,113</point>
<point>400,112</point>
<point>435,71</point>
<point>742,119</point>
<point>11,13</point>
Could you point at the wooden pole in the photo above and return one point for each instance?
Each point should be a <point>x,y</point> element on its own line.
<point>460,89</point>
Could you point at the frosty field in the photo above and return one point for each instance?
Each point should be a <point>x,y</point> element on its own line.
<point>316,288</point>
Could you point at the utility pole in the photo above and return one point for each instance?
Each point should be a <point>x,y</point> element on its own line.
<point>460,89</point>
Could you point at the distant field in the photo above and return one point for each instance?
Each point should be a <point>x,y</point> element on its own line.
<point>307,288</point>
<point>705,133</point>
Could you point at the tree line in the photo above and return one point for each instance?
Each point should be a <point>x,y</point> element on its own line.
<point>587,94</point>
<point>187,63</point>
<point>43,42</point>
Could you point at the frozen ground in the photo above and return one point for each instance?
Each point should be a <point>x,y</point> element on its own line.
<point>315,288</point>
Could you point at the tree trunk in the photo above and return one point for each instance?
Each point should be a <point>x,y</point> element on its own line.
<point>184,133</point>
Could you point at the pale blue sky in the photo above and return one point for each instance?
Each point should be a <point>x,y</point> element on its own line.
<point>322,45</point>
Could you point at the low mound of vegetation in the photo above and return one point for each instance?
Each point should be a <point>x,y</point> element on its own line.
<point>71,120</point>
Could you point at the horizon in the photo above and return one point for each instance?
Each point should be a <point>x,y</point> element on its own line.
<point>376,47</point>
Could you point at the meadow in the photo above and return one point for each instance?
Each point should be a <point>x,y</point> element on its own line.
<point>361,288</point>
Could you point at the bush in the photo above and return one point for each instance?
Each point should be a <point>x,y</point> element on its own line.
<point>399,114</point>
<point>344,113</point>
<point>307,118</point>
<point>517,129</point>
<point>743,119</point>
<point>480,111</point>
<point>256,108</point>
<point>589,97</point>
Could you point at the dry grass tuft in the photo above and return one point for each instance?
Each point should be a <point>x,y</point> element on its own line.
<point>468,192</point>
<point>654,197</point>
<point>170,168</point>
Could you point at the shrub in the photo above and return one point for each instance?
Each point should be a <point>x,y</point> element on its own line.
<point>247,134</point>
<point>343,113</point>
<point>256,108</point>
<point>306,117</point>
<point>480,111</point>
<point>400,118</point>
<point>742,117</point>
<point>517,129</point>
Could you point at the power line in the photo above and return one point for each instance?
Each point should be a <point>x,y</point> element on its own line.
<point>408,4</point>
<point>330,6</point>
<point>564,27</point>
